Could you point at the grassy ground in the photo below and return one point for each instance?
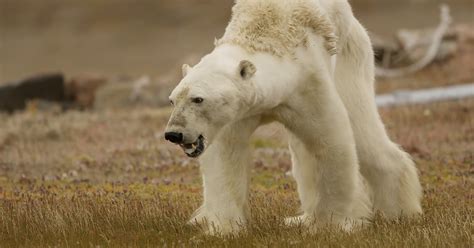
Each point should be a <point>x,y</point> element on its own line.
<point>109,179</point>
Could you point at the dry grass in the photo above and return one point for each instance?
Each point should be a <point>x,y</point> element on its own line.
<point>109,179</point>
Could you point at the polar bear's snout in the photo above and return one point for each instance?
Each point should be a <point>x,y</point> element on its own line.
<point>192,149</point>
<point>174,137</point>
<point>191,142</point>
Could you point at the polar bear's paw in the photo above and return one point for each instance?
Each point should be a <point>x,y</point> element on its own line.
<point>346,225</point>
<point>216,226</point>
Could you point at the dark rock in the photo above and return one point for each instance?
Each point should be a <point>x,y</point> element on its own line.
<point>48,87</point>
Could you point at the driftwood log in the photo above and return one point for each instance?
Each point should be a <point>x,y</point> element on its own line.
<point>415,50</point>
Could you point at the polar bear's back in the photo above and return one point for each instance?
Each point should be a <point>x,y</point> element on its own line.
<point>277,26</point>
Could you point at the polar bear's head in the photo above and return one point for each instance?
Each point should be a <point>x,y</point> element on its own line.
<point>211,95</point>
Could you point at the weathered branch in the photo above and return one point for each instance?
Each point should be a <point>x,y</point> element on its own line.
<point>437,39</point>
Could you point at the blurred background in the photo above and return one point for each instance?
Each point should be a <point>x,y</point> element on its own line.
<point>153,37</point>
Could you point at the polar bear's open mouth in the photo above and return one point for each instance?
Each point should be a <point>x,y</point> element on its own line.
<point>195,149</point>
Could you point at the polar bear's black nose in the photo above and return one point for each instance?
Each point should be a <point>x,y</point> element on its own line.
<point>176,138</point>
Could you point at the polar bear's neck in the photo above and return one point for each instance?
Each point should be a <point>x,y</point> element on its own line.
<point>274,81</point>
<point>277,27</point>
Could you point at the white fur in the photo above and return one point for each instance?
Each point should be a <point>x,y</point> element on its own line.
<point>343,160</point>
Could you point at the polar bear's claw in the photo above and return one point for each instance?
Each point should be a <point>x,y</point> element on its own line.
<point>296,220</point>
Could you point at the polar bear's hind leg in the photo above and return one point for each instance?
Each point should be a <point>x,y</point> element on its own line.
<point>390,171</point>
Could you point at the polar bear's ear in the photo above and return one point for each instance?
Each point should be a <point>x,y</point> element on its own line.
<point>246,69</point>
<point>185,69</point>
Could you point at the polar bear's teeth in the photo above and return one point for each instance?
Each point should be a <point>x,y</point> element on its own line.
<point>186,146</point>
<point>189,150</point>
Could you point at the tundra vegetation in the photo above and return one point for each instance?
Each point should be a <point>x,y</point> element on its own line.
<point>110,179</point>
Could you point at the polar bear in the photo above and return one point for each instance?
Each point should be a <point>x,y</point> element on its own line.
<point>309,65</point>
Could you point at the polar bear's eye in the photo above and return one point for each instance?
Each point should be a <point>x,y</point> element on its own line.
<point>197,100</point>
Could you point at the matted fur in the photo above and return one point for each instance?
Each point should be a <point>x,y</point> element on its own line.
<point>277,26</point>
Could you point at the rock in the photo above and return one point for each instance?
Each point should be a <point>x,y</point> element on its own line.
<point>50,92</point>
<point>82,90</point>
<point>47,87</point>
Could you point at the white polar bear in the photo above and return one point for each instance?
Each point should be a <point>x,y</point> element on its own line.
<point>277,62</point>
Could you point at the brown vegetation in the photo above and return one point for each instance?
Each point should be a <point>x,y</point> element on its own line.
<point>109,179</point>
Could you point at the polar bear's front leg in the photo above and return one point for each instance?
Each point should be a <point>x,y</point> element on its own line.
<point>225,169</point>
